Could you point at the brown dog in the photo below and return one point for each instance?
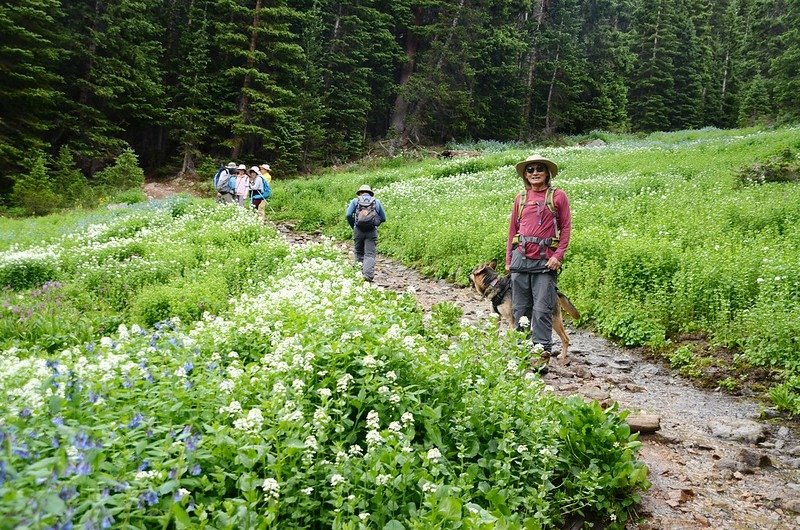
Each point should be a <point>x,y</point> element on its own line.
<point>489,284</point>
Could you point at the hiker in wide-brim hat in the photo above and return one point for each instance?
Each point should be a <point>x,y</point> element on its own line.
<point>364,214</point>
<point>365,189</point>
<point>536,159</point>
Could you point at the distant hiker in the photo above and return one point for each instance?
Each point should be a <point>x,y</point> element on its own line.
<point>259,190</point>
<point>364,214</point>
<point>538,237</point>
<point>241,184</point>
<point>266,173</point>
<point>225,183</point>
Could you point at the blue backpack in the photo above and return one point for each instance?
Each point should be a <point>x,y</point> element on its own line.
<point>224,182</point>
<point>266,194</point>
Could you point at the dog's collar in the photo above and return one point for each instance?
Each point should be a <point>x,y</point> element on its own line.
<point>494,282</point>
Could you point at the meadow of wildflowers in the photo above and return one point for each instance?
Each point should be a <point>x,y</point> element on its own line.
<point>308,399</point>
<point>667,241</point>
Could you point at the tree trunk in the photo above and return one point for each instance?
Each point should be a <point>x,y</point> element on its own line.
<point>400,111</point>
<point>413,121</point>
<point>725,74</point>
<point>244,100</point>
<point>549,123</point>
<point>533,54</point>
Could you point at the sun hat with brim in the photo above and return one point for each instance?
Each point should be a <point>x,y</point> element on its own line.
<point>231,165</point>
<point>534,159</point>
<point>255,169</point>
<point>242,167</point>
<point>365,189</point>
<point>265,167</point>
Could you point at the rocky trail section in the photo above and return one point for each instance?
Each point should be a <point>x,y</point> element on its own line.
<point>714,463</point>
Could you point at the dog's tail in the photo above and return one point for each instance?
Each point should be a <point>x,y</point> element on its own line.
<point>567,306</point>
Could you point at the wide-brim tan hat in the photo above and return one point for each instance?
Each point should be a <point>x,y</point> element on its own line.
<point>231,165</point>
<point>534,159</point>
<point>365,189</point>
<point>242,167</point>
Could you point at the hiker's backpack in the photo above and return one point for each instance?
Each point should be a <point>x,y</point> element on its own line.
<point>366,214</point>
<point>267,193</point>
<point>551,206</point>
<point>223,182</point>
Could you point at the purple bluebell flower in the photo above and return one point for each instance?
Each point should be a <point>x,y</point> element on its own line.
<point>136,420</point>
<point>187,384</point>
<point>196,470</point>
<point>21,451</point>
<point>89,347</point>
<point>104,494</point>
<point>106,522</point>
<point>144,466</point>
<point>153,340</point>
<point>127,383</point>
<point>188,366</point>
<point>82,442</point>
<point>148,498</point>
<point>192,441</point>
<point>149,377</point>
<point>54,443</point>
<point>173,341</point>
<point>121,486</point>
<point>53,364</point>
<point>149,433</point>
<point>25,413</point>
<point>67,493</point>
<point>57,421</point>
<point>93,397</point>
<point>172,474</point>
<point>83,469</point>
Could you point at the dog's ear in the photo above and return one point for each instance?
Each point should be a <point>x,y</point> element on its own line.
<point>492,264</point>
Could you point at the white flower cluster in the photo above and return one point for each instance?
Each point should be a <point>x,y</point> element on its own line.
<point>252,423</point>
<point>271,488</point>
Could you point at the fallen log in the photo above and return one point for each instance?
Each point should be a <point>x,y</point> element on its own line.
<point>644,423</point>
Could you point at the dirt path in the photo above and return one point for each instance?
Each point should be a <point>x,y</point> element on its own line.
<point>714,463</point>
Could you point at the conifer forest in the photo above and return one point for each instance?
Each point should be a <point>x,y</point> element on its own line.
<point>308,83</point>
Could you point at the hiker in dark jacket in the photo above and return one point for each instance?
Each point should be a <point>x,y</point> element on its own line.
<point>364,214</point>
<point>538,237</point>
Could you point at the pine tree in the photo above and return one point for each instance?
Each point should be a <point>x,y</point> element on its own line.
<point>34,190</point>
<point>30,91</point>
<point>686,105</point>
<point>353,54</point>
<point>785,66</point>
<point>652,87</point>
<point>72,185</point>
<point>755,104</point>
<point>117,94</point>
<point>191,112</point>
<point>260,46</point>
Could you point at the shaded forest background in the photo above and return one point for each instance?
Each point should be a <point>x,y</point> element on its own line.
<point>187,84</point>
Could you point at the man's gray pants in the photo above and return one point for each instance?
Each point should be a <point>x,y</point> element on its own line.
<point>534,296</point>
<point>365,243</point>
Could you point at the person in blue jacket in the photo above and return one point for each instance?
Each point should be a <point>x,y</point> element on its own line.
<point>364,214</point>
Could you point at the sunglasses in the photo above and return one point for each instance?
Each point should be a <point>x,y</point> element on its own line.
<point>538,168</point>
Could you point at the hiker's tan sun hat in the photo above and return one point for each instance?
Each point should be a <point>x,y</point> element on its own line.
<point>242,167</point>
<point>534,159</point>
<point>231,165</point>
<point>365,189</point>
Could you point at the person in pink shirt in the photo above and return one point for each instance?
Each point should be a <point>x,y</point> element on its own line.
<point>242,181</point>
<point>538,237</point>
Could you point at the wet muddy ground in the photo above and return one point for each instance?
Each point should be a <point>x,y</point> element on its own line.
<point>714,463</point>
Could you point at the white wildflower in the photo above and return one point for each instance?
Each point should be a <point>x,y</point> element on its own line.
<point>271,488</point>
<point>434,455</point>
<point>336,479</point>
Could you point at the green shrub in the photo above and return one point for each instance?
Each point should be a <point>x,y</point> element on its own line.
<point>25,269</point>
<point>34,191</point>
<point>123,174</point>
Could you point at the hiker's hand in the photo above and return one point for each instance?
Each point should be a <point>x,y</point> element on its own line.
<point>508,269</point>
<point>553,264</point>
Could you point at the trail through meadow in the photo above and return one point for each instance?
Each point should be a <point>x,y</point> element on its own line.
<point>715,462</point>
